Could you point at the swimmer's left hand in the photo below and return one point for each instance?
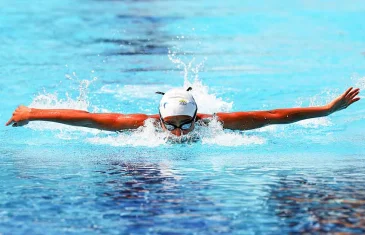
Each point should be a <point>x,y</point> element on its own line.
<point>20,117</point>
<point>344,100</point>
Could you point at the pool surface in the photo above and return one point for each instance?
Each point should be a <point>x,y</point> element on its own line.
<point>112,56</point>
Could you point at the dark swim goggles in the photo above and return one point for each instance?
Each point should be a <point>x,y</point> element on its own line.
<point>185,126</point>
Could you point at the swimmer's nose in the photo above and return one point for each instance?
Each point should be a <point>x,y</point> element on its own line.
<point>177,132</point>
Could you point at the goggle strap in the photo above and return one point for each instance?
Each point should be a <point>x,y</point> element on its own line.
<point>163,93</point>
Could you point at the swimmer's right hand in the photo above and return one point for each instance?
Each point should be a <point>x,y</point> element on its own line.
<point>20,116</point>
<point>343,101</point>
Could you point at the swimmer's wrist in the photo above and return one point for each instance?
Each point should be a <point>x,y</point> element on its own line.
<point>31,114</point>
<point>328,109</point>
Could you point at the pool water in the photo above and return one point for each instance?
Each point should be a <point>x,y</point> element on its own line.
<point>112,56</point>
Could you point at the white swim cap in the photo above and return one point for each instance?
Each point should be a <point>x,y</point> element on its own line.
<point>177,102</point>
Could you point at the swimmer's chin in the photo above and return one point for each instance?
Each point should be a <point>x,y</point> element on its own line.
<point>184,139</point>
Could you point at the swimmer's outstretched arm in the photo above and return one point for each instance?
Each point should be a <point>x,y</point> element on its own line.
<point>103,121</point>
<point>257,119</point>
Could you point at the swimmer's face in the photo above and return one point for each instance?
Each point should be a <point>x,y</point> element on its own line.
<point>178,125</point>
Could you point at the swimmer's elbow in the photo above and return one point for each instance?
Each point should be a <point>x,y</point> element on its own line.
<point>273,117</point>
<point>280,117</point>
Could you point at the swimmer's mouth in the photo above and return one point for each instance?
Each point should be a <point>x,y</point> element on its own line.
<point>189,138</point>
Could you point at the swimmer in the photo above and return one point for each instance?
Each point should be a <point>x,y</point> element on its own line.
<point>178,114</point>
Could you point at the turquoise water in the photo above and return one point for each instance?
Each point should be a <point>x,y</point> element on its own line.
<point>111,56</point>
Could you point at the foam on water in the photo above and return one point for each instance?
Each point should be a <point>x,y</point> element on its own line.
<point>146,135</point>
<point>214,134</point>
<point>150,136</point>
<point>315,122</point>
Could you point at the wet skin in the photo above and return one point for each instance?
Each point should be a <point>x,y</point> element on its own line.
<point>177,121</point>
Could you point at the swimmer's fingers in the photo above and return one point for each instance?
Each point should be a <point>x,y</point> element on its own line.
<point>18,124</point>
<point>346,99</point>
<point>351,97</point>
<point>20,116</point>
<point>354,100</point>
<point>347,92</point>
<point>11,121</point>
<point>353,93</point>
<point>22,123</point>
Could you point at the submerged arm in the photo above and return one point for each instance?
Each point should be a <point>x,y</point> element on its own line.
<point>103,121</point>
<point>256,119</point>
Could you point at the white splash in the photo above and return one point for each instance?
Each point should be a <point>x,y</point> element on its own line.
<point>320,99</point>
<point>214,134</point>
<point>150,136</point>
<point>47,100</point>
<point>51,101</point>
<point>146,135</point>
<point>315,122</point>
<point>207,102</point>
<point>360,83</point>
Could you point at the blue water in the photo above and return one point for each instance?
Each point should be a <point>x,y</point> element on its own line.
<point>111,56</point>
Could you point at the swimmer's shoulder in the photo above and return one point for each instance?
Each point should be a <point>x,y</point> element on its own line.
<point>154,116</point>
<point>204,119</point>
<point>202,116</point>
